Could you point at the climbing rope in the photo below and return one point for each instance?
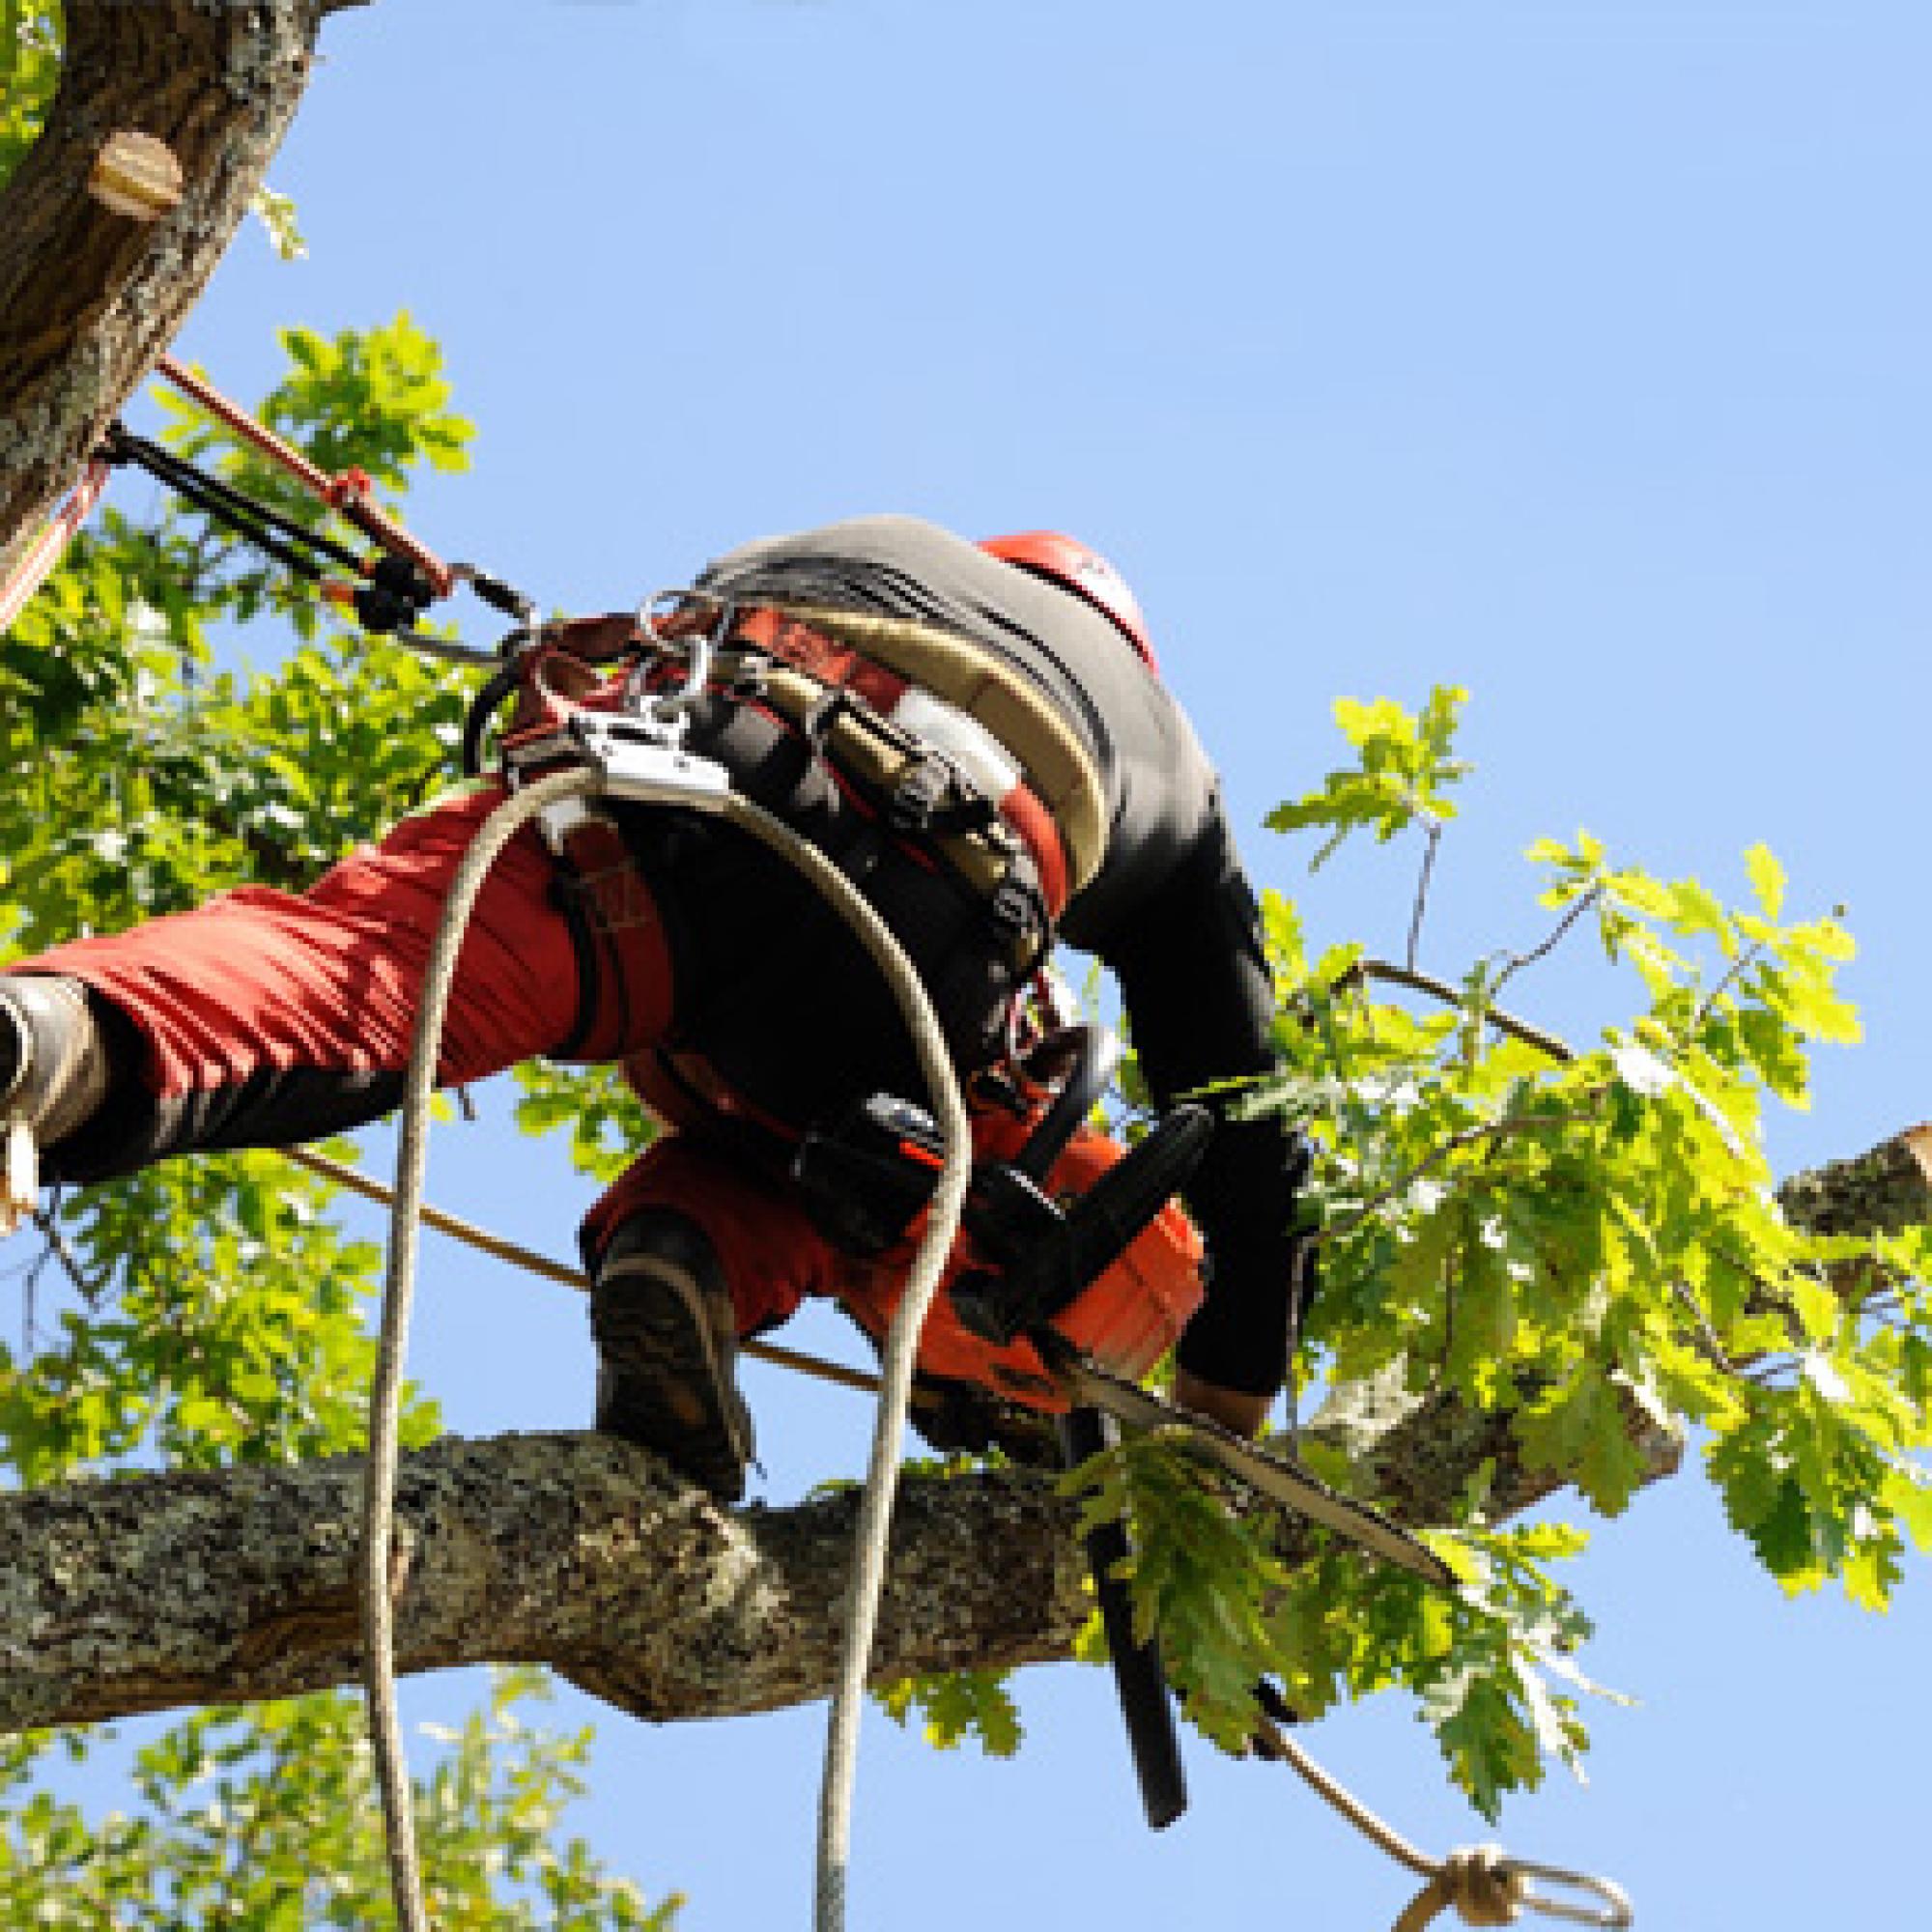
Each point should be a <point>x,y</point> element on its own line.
<point>1483,1883</point>
<point>385,1400</point>
<point>379,1581</point>
<point>399,586</point>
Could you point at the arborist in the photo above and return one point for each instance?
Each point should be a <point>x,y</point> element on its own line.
<point>1015,774</point>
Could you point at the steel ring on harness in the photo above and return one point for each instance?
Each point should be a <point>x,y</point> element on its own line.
<point>678,626</point>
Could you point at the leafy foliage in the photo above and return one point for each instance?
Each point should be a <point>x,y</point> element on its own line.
<point>604,1121</point>
<point>1403,773</point>
<point>1581,1239</point>
<point>30,44</point>
<point>957,1705</point>
<point>213,1312</point>
<point>268,1818</point>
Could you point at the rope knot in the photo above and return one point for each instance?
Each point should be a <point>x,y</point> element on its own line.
<point>1483,1886</point>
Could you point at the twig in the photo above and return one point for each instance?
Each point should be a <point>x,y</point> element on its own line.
<point>1723,985</point>
<point>1440,989</point>
<point>1422,891</point>
<point>57,1246</point>
<point>1519,960</point>
<point>1441,1372</point>
<point>1714,1349</point>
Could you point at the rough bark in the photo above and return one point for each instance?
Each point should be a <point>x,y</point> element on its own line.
<point>89,298</point>
<point>574,1551</point>
<point>1876,1193</point>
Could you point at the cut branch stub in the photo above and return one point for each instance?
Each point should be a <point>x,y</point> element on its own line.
<point>136,175</point>
<point>164,122</point>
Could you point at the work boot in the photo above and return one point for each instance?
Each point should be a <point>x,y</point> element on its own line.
<point>667,1347</point>
<point>53,1061</point>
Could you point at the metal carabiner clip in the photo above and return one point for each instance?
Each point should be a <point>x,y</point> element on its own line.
<point>665,711</point>
<point>1615,1911</point>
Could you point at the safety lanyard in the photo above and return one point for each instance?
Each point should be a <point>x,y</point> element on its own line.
<point>389,590</point>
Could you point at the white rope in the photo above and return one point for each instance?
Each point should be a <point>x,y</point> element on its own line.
<point>1483,1882</point>
<point>870,1534</point>
<point>379,1662</point>
<point>872,1530</point>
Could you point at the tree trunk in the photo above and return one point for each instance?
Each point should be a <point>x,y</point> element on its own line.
<point>217,86</point>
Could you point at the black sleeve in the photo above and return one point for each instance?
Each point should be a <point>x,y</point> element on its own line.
<point>1193,975</point>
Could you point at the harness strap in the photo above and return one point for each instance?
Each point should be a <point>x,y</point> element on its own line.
<point>601,894</point>
<point>891,765</point>
<point>996,695</point>
<point>1059,811</point>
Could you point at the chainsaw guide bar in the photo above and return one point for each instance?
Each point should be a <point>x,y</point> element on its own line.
<point>1269,1472</point>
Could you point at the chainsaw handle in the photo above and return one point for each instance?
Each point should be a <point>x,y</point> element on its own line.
<point>1050,1254</point>
<point>1096,1055</point>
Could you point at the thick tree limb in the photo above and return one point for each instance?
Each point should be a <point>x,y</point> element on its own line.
<point>196,1588</point>
<point>89,296</point>
<point>1876,1193</point>
<point>572,1551</point>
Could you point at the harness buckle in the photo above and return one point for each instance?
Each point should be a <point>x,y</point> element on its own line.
<point>918,794</point>
<point>667,713</point>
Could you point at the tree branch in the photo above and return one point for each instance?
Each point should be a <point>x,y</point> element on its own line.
<point>574,1551</point>
<point>1365,970</point>
<point>1879,1192</point>
<point>217,86</point>
<point>578,1551</point>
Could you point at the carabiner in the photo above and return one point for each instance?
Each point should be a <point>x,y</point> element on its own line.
<point>664,711</point>
<point>1615,1911</point>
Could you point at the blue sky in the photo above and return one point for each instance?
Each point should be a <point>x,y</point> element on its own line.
<point>1572,352</point>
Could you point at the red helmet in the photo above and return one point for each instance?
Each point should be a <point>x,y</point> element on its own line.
<point>1067,562</point>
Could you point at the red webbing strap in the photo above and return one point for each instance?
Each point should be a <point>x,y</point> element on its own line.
<point>347,494</point>
<point>37,565</point>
